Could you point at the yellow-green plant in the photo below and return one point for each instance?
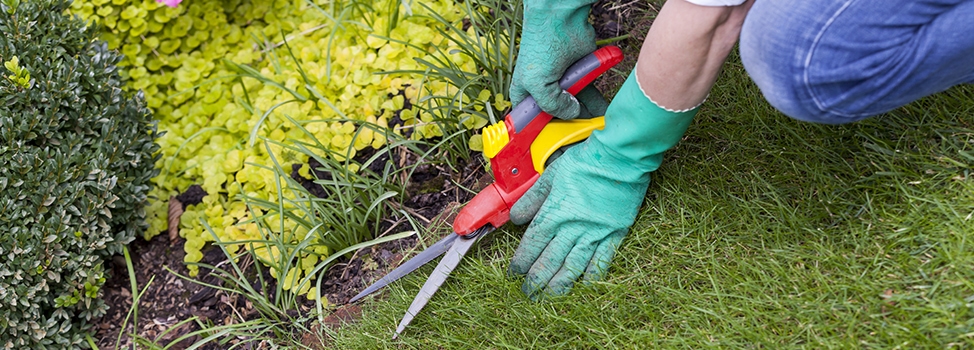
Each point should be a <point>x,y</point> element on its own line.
<point>221,74</point>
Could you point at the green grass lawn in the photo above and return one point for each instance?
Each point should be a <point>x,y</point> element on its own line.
<point>758,231</point>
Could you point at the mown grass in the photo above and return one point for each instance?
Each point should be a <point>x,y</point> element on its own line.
<point>758,232</point>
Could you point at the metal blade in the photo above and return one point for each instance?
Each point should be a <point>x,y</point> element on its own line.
<point>439,275</point>
<point>411,265</point>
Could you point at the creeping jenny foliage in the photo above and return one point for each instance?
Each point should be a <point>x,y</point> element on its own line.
<point>219,74</point>
<point>78,157</point>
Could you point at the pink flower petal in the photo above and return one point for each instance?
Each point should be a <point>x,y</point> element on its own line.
<point>170,3</point>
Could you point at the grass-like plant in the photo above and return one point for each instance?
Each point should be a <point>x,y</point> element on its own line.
<point>352,198</point>
<point>355,196</point>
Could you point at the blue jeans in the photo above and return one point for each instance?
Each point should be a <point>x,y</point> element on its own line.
<point>839,61</point>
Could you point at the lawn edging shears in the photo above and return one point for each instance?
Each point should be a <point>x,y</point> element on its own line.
<point>518,148</point>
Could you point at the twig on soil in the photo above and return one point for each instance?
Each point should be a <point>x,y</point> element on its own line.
<point>229,304</point>
<point>410,211</point>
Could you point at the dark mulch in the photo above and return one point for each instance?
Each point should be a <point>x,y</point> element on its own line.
<point>433,197</point>
<point>166,300</point>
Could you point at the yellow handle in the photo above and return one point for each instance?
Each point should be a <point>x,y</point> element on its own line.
<point>558,133</point>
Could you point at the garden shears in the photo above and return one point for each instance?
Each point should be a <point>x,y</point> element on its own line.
<point>518,148</point>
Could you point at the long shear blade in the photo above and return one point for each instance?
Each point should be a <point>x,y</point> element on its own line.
<point>411,265</point>
<point>439,275</point>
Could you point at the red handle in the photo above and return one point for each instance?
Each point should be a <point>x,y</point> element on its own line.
<point>513,168</point>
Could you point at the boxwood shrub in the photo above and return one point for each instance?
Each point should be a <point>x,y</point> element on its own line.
<point>77,154</point>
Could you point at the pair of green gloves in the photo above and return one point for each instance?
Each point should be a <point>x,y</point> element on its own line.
<point>584,203</point>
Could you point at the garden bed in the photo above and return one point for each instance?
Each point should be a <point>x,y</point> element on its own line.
<point>434,195</point>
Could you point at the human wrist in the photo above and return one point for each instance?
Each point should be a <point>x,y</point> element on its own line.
<point>639,129</point>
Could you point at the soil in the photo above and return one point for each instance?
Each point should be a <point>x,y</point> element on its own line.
<point>433,197</point>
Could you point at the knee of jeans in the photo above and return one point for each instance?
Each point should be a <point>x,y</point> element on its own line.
<point>775,62</point>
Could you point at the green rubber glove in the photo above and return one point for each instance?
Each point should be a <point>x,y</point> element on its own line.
<point>584,203</point>
<point>555,35</point>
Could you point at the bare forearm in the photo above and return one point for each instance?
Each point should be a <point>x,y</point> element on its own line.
<point>685,49</point>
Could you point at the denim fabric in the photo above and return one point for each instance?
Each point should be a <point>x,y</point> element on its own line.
<point>839,61</point>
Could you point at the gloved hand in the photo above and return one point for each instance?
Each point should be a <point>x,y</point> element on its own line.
<point>583,204</point>
<point>555,35</point>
